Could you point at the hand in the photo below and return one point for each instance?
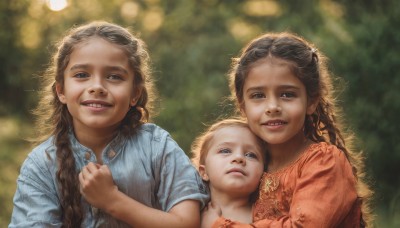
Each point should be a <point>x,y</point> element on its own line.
<point>97,185</point>
<point>210,214</point>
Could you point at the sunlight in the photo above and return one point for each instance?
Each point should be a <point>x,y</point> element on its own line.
<point>242,30</point>
<point>262,8</point>
<point>57,5</point>
<point>153,19</point>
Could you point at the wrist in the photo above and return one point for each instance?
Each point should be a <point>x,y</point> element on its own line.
<point>112,203</point>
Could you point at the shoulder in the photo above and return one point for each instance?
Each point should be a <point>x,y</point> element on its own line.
<point>152,137</point>
<point>324,156</point>
<point>44,151</point>
<point>324,151</point>
<point>152,131</point>
<point>40,159</point>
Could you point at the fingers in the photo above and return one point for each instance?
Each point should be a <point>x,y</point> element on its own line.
<point>81,182</point>
<point>94,172</point>
<point>89,170</point>
<point>104,169</point>
<point>92,167</point>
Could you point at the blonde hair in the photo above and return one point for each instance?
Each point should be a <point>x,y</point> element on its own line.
<point>201,144</point>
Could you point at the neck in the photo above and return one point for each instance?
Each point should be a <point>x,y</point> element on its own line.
<point>95,139</point>
<point>236,207</point>
<point>281,155</point>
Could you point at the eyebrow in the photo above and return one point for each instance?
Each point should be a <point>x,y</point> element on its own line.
<point>289,87</point>
<point>78,66</point>
<point>87,66</point>
<point>257,88</point>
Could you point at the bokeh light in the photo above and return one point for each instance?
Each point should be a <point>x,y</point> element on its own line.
<point>57,5</point>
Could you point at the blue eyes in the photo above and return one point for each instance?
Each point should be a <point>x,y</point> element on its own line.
<point>224,151</point>
<point>251,155</point>
<point>228,151</point>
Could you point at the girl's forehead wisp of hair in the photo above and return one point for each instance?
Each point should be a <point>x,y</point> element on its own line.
<point>110,32</point>
<point>272,60</point>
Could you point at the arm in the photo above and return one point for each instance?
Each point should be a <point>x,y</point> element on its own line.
<point>99,190</point>
<point>322,197</point>
<point>35,201</point>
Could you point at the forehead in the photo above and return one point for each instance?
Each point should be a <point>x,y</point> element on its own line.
<point>98,53</point>
<point>271,72</point>
<point>235,135</point>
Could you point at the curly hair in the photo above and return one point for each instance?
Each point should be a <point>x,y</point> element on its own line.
<point>55,120</point>
<point>309,66</point>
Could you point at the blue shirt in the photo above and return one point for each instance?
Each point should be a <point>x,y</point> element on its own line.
<point>149,167</point>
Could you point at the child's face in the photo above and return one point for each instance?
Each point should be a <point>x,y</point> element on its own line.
<point>275,102</point>
<point>234,163</point>
<point>98,85</point>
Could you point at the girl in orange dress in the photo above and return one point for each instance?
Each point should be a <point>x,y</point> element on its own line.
<point>281,84</point>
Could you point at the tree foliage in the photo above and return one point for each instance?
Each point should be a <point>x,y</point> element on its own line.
<point>192,42</point>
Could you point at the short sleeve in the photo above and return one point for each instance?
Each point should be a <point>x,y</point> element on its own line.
<point>179,180</point>
<point>35,201</point>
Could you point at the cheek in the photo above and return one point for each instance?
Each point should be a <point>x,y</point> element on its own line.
<point>122,98</point>
<point>253,111</point>
<point>259,170</point>
<point>297,110</point>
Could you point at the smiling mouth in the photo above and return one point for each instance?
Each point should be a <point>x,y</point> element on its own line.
<point>275,123</point>
<point>97,105</point>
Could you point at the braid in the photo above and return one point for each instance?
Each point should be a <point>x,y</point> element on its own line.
<point>68,179</point>
<point>67,176</point>
<point>55,120</point>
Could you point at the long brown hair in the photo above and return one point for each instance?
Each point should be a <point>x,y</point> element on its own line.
<point>309,65</point>
<point>55,120</point>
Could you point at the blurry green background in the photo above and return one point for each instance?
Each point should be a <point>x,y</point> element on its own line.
<point>191,43</point>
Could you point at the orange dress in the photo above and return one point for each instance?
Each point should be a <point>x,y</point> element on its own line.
<point>317,190</point>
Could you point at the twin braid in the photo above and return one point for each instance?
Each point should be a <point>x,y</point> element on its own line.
<point>67,177</point>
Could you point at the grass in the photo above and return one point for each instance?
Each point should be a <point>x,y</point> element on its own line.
<point>14,149</point>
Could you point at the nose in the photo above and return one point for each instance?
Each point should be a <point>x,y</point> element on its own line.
<point>239,159</point>
<point>97,87</point>
<point>272,107</point>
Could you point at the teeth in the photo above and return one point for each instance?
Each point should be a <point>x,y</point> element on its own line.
<point>275,124</point>
<point>95,105</point>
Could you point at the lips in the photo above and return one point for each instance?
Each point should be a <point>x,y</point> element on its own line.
<point>96,103</point>
<point>236,170</point>
<point>274,123</point>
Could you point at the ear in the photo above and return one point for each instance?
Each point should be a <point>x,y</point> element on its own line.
<point>60,94</point>
<point>203,174</point>
<point>312,105</point>
<point>242,110</point>
<point>135,96</point>
<point>133,102</point>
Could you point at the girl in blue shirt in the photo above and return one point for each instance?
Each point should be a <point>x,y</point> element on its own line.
<point>98,163</point>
